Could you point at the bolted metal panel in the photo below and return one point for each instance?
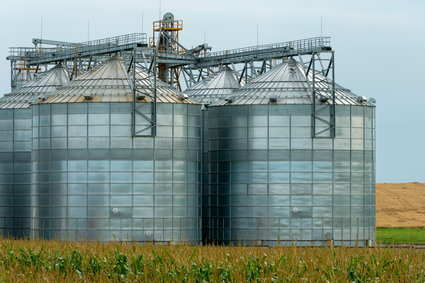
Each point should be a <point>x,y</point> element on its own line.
<point>211,89</point>
<point>15,172</point>
<point>94,181</point>
<point>272,183</point>
<point>15,151</point>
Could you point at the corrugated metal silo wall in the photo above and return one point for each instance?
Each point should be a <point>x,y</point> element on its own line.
<point>205,177</point>
<point>15,172</point>
<point>271,183</point>
<point>93,181</point>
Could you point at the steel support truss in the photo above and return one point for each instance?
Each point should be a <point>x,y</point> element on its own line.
<point>250,62</point>
<point>245,72</point>
<point>190,67</point>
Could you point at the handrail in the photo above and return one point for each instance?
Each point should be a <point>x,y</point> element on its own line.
<point>94,45</point>
<point>308,43</point>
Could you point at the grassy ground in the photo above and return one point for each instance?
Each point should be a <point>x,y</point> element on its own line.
<point>71,261</point>
<point>400,235</point>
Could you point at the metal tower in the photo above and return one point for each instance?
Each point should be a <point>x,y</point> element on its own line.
<point>166,40</point>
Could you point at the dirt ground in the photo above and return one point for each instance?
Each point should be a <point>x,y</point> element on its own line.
<point>400,205</point>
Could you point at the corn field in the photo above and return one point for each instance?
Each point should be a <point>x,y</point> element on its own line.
<point>54,261</point>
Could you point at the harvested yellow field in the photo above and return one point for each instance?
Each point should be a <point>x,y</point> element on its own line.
<point>400,205</point>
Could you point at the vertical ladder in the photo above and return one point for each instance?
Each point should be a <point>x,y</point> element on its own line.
<point>322,74</point>
<point>143,122</point>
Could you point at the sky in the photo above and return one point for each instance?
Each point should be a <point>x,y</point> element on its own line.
<point>378,49</point>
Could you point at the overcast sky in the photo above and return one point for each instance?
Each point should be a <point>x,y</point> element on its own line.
<point>379,48</point>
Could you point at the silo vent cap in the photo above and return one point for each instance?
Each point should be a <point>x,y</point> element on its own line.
<point>183,96</point>
<point>323,98</point>
<point>41,97</point>
<point>372,100</point>
<point>361,99</point>
<point>229,99</point>
<point>33,100</point>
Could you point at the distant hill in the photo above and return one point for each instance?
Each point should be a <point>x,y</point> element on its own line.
<point>400,205</point>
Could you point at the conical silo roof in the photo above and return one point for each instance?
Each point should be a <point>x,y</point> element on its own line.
<point>109,79</point>
<point>110,82</point>
<point>145,82</point>
<point>214,87</point>
<point>289,84</point>
<point>44,85</point>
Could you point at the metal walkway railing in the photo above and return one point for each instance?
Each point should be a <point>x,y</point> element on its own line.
<point>35,56</point>
<point>300,45</point>
<point>265,52</point>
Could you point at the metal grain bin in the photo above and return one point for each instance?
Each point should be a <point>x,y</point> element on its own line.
<point>15,151</point>
<point>213,88</point>
<point>93,180</point>
<point>272,182</point>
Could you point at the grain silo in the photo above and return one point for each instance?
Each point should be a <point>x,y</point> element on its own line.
<point>95,178</point>
<point>15,150</point>
<point>287,159</point>
<point>213,88</point>
<point>279,175</point>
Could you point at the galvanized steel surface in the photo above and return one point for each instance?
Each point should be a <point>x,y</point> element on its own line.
<point>214,87</point>
<point>15,151</point>
<point>113,98</point>
<point>289,84</point>
<point>15,172</point>
<point>271,183</point>
<point>93,181</point>
<point>267,180</point>
<point>111,82</point>
<point>29,93</point>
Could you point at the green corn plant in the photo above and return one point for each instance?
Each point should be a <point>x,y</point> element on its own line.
<point>60,265</point>
<point>137,265</point>
<point>75,261</point>
<point>28,261</point>
<point>120,268</point>
<point>94,265</point>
